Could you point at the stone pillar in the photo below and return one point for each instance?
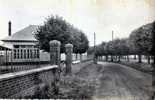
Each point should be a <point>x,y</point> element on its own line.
<point>55,60</point>
<point>55,52</point>
<point>69,50</point>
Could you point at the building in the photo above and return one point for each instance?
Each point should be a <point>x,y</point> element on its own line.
<point>23,46</point>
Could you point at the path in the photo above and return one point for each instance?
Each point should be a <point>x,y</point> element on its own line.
<point>118,82</point>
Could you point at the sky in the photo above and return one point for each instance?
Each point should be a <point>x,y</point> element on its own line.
<point>99,16</point>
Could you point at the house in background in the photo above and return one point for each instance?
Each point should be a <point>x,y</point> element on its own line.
<point>23,46</point>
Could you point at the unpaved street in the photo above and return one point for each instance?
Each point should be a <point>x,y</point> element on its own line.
<point>117,82</point>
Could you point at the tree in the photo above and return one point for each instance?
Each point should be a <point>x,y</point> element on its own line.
<point>117,46</point>
<point>56,28</point>
<point>152,52</point>
<point>124,47</point>
<point>100,50</point>
<point>90,50</point>
<point>142,40</point>
<point>82,45</point>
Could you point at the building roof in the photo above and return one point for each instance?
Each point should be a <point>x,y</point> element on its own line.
<point>2,47</point>
<point>26,34</point>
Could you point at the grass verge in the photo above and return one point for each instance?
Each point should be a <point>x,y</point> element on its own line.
<point>147,68</point>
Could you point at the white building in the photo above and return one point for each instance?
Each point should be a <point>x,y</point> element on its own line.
<point>23,46</point>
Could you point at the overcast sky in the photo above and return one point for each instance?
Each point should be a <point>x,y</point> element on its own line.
<point>99,16</point>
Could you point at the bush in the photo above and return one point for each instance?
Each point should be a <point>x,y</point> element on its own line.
<point>74,87</point>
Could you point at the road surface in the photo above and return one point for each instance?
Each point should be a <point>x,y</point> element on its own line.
<point>117,82</point>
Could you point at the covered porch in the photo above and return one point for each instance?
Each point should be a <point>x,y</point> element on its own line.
<point>4,50</point>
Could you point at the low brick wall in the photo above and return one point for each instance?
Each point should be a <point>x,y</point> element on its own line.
<point>24,83</point>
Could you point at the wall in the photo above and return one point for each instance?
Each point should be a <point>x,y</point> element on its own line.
<point>24,83</point>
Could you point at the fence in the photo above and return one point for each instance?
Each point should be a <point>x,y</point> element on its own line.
<point>23,55</point>
<point>19,59</point>
<point>31,55</point>
<point>26,83</point>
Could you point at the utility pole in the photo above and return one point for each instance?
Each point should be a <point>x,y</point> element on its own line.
<point>112,41</point>
<point>94,40</point>
<point>95,58</point>
<point>112,35</point>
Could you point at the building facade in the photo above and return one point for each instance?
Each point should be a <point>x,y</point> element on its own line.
<point>23,46</point>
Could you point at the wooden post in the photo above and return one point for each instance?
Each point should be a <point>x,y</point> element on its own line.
<point>95,57</point>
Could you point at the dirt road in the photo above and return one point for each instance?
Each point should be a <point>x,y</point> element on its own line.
<point>117,82</point>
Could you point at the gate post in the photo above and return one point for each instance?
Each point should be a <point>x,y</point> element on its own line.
<point>55,60</point>
<point>69,50</point>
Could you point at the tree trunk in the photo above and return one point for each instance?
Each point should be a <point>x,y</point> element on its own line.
<point>135,57</point>
<point>148,59</point>
<point>95,59</point>
<point>139,58</point>
<point>125,57</point>
<point>111,58</point>
<point>119,58</point>
<point>80,57</point>
<point>106,58</point>
<point>128,58</point>
<point>101,58</point>
<point>76,56</point>
<point>116,58</point>
<point>153,59</point>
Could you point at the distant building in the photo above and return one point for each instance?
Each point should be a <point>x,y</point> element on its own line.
<point>23,46</point>
<point>22,39</point>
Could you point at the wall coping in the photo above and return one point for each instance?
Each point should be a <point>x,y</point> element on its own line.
<point>26,72</point>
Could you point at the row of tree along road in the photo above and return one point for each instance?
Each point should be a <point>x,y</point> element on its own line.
<point>140,42</point>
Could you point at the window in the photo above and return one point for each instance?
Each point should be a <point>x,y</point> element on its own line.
<point>15,54</point>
